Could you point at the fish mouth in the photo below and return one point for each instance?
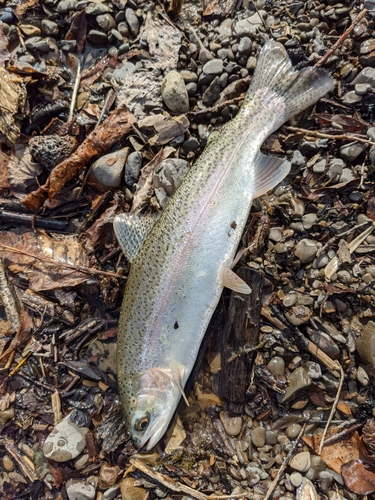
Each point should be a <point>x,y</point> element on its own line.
<point>151,437</point>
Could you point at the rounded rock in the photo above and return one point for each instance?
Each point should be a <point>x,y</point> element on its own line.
<point>298,315</point>
<point>79,490</point>
<point>301,462</point>
<point>174,93</point>
<point>213,67</point>
<point>108,475</point>
<point>132,21</point>
<point>133,167</point>
<point>108,169</point>
<point>293,430</point>
<point>296,479</point>
<point>232,425</point>
<point>276,365</point>
<point>66,441</point>
<point>306,250</point>
<point>258,437</point>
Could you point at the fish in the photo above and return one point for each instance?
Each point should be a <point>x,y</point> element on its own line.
<point>181,259</point>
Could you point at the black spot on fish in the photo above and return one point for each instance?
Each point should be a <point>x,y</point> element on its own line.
<point>176,325</point>
<point>233,224</point>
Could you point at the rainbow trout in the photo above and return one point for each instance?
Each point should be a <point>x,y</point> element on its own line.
<point>181,259</point>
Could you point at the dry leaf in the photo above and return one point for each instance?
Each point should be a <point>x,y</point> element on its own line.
<point>359,477</point>
<point>145,186</point>
<point>4,53</point>
<point>167,129</point>
<point>175,435</point>
<point>13,104</point>
<point>347,123</point>
<point>306,491</point>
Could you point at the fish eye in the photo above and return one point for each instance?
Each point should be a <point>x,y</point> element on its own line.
<point>141,423</point>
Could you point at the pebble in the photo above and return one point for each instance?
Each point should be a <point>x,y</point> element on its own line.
<point>362,376</point>
<point>111,493</point>
<point>326,480</point>
<point>50,150</point>
<point>317,465</point>
<point>8,463</point>
<point>290,300</point>
<point>123,70</point>
<point>362,88</point>
<point>296,479</point>
<point>132,21</point>
<point>49,28</point>
<point>275,234</point>
<point>365,344</point>
<point>79,490</point>
<point>335,169</point>
<point>351,98</point>
<point>244,46</point>
<point>367,75</point>
<point>258,437</point>
<point>130,491</point>
<point>248,26</point>
<point>97,8</point>
<point>106,21</point>
<point>66,441</point>
<point>309,220</point>
<point>213,67</point>
<point>320,166</point>
<point>301,462</point>
<point>167,177</point>
<point>306,250</point>
<point>276,365</point>
<point>313,369</point>
<point>271,438</point>
<point>189,145</point>
<point>352,150</point>
<point>297,381</point>
<point>108,475</point>
<point>212,93</point>
<point>133,168</point>
<point>96,37</point>
<point>297,159</point>
<point>108,168</point>
<point>232,425</point>
<point>174,93</point>
<point>292,431</point>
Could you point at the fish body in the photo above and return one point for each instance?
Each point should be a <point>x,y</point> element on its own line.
<point>180,260</point>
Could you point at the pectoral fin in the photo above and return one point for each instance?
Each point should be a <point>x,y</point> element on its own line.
<point>232,281</point>
<point>269,171</point>
<point>131,231</point>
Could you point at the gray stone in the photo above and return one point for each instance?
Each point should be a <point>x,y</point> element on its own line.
<point>313,147</point>
<point>132,21</point>
<point>50,150</point>
<point>271,438</point>
<point>108,169</point>
<point>30,42</point>
<point>367,75</point>
<point>96,37</point>
<point>317,465</point>
<point>290,300</point>
<point>191,88</point>
<point>174,93</point>
<point>313,369</point>
<point>77,489</point>
<point>244,46</point>
<point>320,166</point>
<point>371,133</point>
<point>222,53</point>
<point>213,67</point>
<point>367,46</point>
<point>309,220</point>
<point>276,365</point>
<point>106,21</point>
<point>335,169</point>
<point>258,437</point>
<point>189,76</point>
<point>347,175</point>
<point>362,88</point>
<point>351,98</point>
<point>296,479</point>
<point>297,381</point>
<point>306,250</point>
<point>298,315</point>
<point>189,145</point>
<point>362,376</point>
<point>352,150</point>
<point>232,425</point>
<point>205,55</point>
<point>66,5</point>
<point>325,480</point>
<point>248,26</point>
<point>275,234</point>
<point>292,431</point>
<point>168,177</point>
<point>297,159</point>
<point>49,28</point>
<point>133,168</point>
<point>66,441</point>
<point>212,93</point>
<point>96,8</point>
<point>301,462</point>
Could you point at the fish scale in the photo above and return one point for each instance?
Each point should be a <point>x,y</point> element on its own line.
<point>180,260</point>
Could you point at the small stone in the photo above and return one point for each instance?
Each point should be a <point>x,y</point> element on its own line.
<point>108,169</point>
<point>271,438</point>
<point>248,26</point>
<point>244,46</point>
<point>301,462</point>
<point>313,369</point>
<point>168,177</point>
<point>79,490</point>
<point>8,463</point>
<point>362,88</point>
<point>275,234</point>
<point>335,169</point>
<point>258,437</point>
<point>297,159</point>
<point>320,166</point>
<point>306,250</point>
<point>351,98</point>
<point>189,76</point>
<point>111,493</point>
<point>309,220</point>
<point>130,491</point>
<point>133,168</point>
<point>49,28</point>
<point>347,175</point>
<point>96,37</point>
<point>66,441</point>
<point>189,145</point>
<point>290,300</point>
<point>132,21</point>
<point>212,93</point>
<point>108,475</point>
<point>362,376</point>
<point>325,480</point>
<point>367,75</point>
<point>106,21</point>
<point>276,365</point>
<point>352,150</point>
<point>123,70</point>
<point>365,344</point>
<point>174,93</point>
<point>222,54</point>
<point>297,381</point>
<point>296,479</point>
<point>30,30</point>
<point>232,425</point>
<point>50,150</point>
<point>367,46</point>
<point>213,67</point>
<point>96,8</point>
<point>293,430</point>
<point>253,478</point>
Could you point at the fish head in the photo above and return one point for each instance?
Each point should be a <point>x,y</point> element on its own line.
<point>156,394</point>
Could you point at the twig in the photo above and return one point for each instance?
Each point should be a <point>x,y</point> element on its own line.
<point>323,59</point>
<point>335,438</point>
<point>87,270</point>
<point>332,240</point>
<point>247,350</point>
<point>9,303</point>
<point>341,137</point>
<point>333,409</point>
<point>284,465</point>
<point>75,91</point>
<point>166,481</point>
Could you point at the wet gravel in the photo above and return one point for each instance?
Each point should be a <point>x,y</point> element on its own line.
<point>319,273</point>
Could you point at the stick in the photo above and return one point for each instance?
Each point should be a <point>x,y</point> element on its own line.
<point>341,137</point>
<point>75,91</point>
<point>356,21</point>
<point>280,472</point>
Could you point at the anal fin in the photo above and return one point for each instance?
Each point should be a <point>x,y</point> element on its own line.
<point>269,171</point>
<point>232,281</point>
<point>131,231</point>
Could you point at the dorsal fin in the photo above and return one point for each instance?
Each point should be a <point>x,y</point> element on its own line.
<point>131,231</point>
<point>269,171</point>
<point>232,281</point>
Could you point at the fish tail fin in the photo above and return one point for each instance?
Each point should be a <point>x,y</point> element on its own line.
<point>283,89</point>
